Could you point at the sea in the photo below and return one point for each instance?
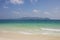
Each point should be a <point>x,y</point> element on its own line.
<point>31,26</point>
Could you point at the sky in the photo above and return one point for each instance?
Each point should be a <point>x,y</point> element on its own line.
<point>12,9</point>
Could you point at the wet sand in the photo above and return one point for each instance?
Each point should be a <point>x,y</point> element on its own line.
<point>19,36</point>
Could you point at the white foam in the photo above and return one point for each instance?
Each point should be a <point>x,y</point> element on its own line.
<point>42,31</point>
<point>20,32</point>
<point>48,29</point>
<point>24,32</point>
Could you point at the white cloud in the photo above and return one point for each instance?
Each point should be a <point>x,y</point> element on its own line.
<point>53,13</point>
<point>47,13</point>
<point>56,10</point>
<point>36,0</point>
<point>36,11</point>
<point>17,1</point>
<point>33,1</point>
<point>16,12</point>
<point>5,7</point>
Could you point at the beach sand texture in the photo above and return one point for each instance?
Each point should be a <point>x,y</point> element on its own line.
<point>19,36</point>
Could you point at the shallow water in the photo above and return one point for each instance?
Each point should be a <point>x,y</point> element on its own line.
<point>29,27</point>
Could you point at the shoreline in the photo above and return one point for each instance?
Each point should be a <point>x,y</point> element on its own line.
<point>19,36</point>
<point>31,33</point>
<point>44,31</point>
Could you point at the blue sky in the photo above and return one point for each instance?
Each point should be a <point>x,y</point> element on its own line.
<point>12,9</point>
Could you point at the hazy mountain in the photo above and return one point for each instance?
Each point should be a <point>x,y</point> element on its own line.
<point>28,18</point>
<point>33,18</point>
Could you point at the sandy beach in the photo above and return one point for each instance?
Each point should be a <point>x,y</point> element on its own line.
<point>19,36</point>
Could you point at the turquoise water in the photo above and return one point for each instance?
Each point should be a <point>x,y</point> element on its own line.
<point>31,26</point>
<point>51,25</point>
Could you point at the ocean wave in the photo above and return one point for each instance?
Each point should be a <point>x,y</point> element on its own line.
<point>43,31</point>
<point>22,32</point>
<point>19,32</point>
<point>50,29</point>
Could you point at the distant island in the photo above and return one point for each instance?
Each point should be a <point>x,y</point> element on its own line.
<point>30,18</point>
<point>33,18</point>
